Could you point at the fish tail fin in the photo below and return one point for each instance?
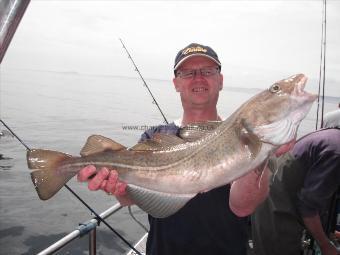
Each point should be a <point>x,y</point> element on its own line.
<point>45,177</point>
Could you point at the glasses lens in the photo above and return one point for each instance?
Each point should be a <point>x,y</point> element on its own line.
<point>186,73</point>
<point>207,71</point>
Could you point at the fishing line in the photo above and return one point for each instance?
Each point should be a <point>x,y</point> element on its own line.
<point>147,87</point>
<point>158,107</point>
<point>100,219</point>
<point>138,222</point>
<point>10,130</point>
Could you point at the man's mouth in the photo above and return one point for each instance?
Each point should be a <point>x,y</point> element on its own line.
<point>199,89</point>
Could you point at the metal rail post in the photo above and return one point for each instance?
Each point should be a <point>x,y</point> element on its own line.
<point>93,242</point>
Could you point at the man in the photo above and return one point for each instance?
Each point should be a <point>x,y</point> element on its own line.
<point>212,222</point>
<point>300,194</point>
<point>332,119</point>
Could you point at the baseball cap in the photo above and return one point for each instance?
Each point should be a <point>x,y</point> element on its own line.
<point>195,49</point>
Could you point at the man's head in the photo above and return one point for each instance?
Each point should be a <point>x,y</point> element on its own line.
<point>197,76</point>
<point>195,49</point>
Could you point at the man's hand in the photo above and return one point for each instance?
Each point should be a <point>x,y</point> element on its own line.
<point>106,180</point>
<point>247,192</point>
<point>314,226</point>
<point>284,148</point>
<point>328,249</point>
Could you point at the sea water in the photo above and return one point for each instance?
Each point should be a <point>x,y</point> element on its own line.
<point>58,111</point>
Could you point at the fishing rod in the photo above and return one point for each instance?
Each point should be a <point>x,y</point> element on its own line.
<point>147,87</point>
<point>100,219</point>
<point>322,70</point>
<point>324,66</point>
<point>158,107</point>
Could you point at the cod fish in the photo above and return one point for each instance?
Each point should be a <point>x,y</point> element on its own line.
<point>164,173</point>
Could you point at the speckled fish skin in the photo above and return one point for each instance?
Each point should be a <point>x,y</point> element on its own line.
<point>221,156</point>
<point>238,145</point>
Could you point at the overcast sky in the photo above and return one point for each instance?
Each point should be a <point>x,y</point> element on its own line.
<point>251,37</point>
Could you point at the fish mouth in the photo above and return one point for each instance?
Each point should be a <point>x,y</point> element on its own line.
<point>300,83</point>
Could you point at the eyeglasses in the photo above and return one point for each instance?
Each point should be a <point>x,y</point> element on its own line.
<point>206,72</point>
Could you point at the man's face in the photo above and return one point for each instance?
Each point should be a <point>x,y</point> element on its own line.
<point>198,91</point>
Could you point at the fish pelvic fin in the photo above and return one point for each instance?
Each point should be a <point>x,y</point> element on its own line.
<point>99,143</point>
<point>155,203</point>
<point>45,177</point>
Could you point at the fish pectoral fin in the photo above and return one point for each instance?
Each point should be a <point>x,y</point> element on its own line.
<point>276,133</point>
<point>45,177</point>
<point>155,203</point>
<point>250,139</point>
<point>195,131</point>
<point>98,143</point>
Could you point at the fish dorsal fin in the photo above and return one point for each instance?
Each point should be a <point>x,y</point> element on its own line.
<point>195,131</point>
<point>159,141</point>
<point>147,145</point>
<point>167,140</point>
<point>250,139</point>
<point>98,143</point>
<point>155,203</point>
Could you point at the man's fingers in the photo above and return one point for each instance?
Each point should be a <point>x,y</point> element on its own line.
<point>97,181</point>
<point>85,173</point>
<point>103,185</point>
<point>110,185</point>
<point>120,189</point>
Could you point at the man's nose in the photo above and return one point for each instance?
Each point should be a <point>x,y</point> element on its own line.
<point>198,75</point>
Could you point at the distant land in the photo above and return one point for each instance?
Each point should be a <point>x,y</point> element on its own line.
<point>254,90</point>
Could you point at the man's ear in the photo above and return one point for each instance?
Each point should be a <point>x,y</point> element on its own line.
<point>221,82</point>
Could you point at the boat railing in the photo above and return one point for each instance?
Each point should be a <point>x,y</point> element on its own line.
<point>86,228</point>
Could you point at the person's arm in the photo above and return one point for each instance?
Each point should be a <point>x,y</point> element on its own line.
<point>248,192</point>
<point>320,183</point>
<point>313,224</point>
<point>106,180</point>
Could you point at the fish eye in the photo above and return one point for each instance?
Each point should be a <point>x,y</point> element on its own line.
<point>275,88</point>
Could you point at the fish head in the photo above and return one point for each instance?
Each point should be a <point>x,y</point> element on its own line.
<point>275,114</point>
